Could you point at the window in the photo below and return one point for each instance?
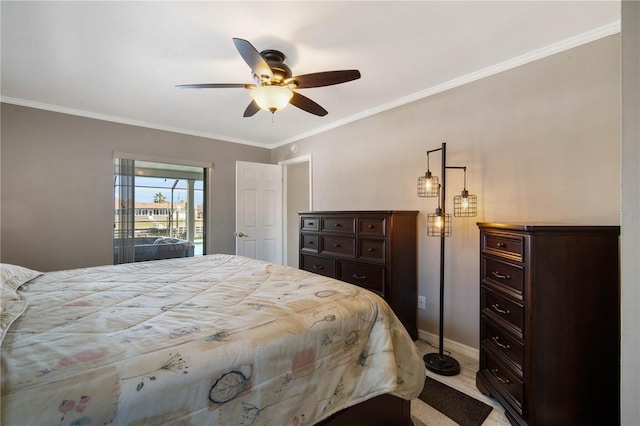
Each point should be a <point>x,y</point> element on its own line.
<point>159,210</point>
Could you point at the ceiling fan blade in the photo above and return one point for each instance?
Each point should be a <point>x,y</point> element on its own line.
<point>307,104</point>
<point>326,78</point>
<point>252,57</point>
<point>252,108</point>
<point>217,86</point>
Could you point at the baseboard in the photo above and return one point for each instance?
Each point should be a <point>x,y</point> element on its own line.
<point>449,345</point>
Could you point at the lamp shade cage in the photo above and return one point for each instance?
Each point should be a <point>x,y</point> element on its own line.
<point>439,224</point>
<point>465,205</point>
<point>428,185</point>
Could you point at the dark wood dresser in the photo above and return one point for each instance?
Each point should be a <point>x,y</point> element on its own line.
<point>372,249</point>
<point>549,322</point>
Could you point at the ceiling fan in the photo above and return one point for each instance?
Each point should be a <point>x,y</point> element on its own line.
<point>275,85</point>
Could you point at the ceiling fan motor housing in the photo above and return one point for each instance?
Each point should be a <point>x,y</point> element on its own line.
<point>275,60</point>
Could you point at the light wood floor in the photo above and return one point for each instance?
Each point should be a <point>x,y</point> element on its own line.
<point>465,382</point>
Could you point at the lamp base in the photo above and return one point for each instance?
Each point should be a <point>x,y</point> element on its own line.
<point>441,364</point>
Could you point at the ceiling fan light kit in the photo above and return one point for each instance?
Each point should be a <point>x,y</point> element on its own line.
<point>275,83</point>
<point>272,98</point>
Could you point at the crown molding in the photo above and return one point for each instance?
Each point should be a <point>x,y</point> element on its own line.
<point>127,121</point>
<point>570,43</point>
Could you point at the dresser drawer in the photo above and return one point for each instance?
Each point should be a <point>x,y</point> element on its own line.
<point>371,250</point>
<point>371,227</point>
<point>310,243</point>
<point>511,246</point>
<point>366,276</point>
<point>310,223</point>
<point>343,225</point>
<point>498,341</point>
<point>318,265</point>
<point>505,312</point>
<point>338,246</point>
<point>508,384</point>
<point>506,276</point>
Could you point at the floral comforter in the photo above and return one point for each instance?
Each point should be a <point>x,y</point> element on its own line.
<point>215,340</point>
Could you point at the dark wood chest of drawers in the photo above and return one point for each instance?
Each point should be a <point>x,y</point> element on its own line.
<point>372,249</point>
<point>549,322</point>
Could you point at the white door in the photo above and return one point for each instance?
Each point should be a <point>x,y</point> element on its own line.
<point>259,211</point>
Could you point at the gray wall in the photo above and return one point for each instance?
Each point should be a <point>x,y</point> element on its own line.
<point>57,185</point>
<point>541,143</point>
<point>630,213</point>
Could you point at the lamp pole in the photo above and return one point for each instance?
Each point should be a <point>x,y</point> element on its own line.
<point>440,363</point>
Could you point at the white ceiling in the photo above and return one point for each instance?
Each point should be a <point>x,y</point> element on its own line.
<point>120,61</point>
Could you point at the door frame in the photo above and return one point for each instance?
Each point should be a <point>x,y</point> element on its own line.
<point>307,158</point>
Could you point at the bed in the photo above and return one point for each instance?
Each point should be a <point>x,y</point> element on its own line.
<point>215,340</point>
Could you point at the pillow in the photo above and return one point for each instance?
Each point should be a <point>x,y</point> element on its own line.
<point>10,310</point>
<point>14,276</point>
<point>11,307</point>
<point>163,240</point>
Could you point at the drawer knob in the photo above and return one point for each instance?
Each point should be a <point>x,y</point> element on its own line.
<point>501,276</point>
<point>501,245</point>
<point>496,340</point>
<point>359,277</point>
<point>337,245</point>
<point>499,310</point>
<point>497,376</point>
<point>318,267</point>
<point>370,226</point>
<point>370,250</point>
<point>310,243</point>
<point>338,225</point>
<point>310,223</point>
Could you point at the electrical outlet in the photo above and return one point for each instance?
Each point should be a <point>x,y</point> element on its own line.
<point>422,302</point>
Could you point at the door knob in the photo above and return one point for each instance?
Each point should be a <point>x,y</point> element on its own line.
<point>241,234</point>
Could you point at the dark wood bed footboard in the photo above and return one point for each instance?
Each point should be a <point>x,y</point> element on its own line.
<point>383,410</point>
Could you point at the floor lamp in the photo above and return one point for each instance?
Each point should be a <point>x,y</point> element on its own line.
<point>439,225</point>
